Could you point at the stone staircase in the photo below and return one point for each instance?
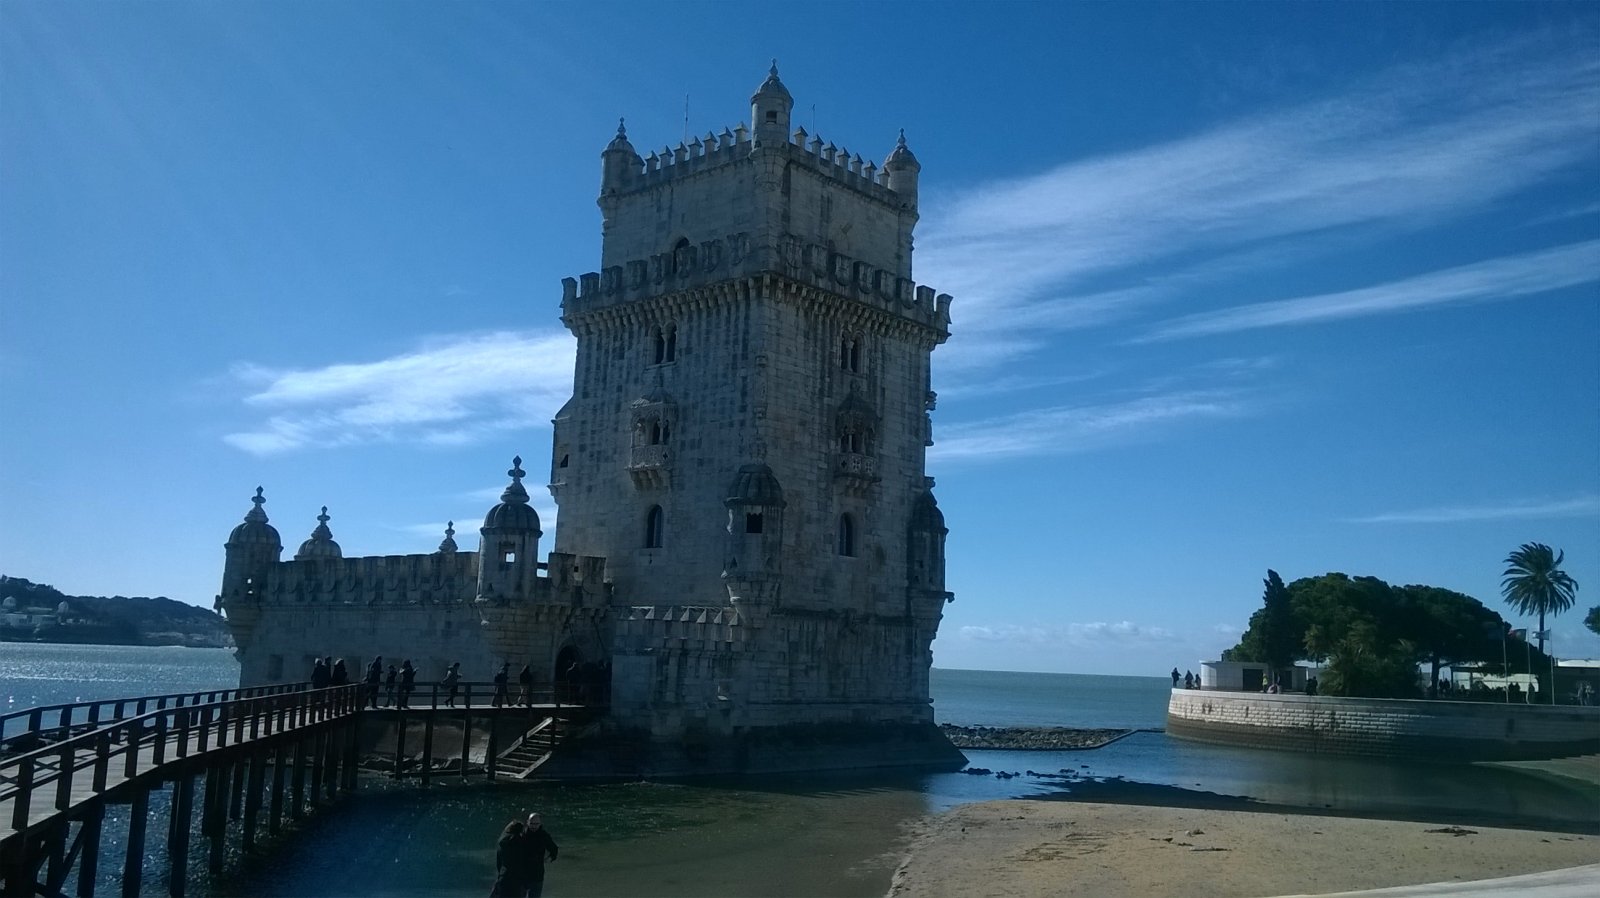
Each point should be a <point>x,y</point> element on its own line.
<point>532,750</point>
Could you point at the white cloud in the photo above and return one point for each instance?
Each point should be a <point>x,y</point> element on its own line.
<point>1080,428</point>
<point>1094,240</point>
<point>454,390</point>
<point>1506,278</point>
<point>1098,633</point>
<point>1579,507</point>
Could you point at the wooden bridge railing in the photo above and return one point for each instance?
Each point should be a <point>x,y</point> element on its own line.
<point>114,753</point>
<point>47,721</point>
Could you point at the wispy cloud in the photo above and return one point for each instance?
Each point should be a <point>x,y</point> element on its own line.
<point>1511,277</point>
<point>1098,633</point>
<point>1096,240</point>
<point>1579,507</point>
<point>453,390</point>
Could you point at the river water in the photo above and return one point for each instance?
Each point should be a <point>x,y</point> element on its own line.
<point>823,835</point>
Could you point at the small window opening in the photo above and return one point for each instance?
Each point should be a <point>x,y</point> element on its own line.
<point>563,463</point>
<point>652,528</point>
<point>772,115</point>
<point>508,558</point>
<point>847,536</point>
<point>656,431</point>
<point>752,522</point>
<point>672,344</point>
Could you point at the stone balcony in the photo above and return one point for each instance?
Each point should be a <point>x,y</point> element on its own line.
<point>648,465</point>
<point>855,471</point>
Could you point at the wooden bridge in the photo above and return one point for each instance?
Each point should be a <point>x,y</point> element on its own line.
<point>62,765</point>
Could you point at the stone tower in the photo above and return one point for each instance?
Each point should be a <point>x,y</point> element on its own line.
<point>749,418</point>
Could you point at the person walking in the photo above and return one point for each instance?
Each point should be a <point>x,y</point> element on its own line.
<point>341,677</point>
<point>388,685</point>
<point>525,680</point>
<point>536,845</point>
<point>320,675</point>
<point>373,681</point>
<point>510,863</point>
<point>408,682</point>
<point>1175,678</point>
<point>502,683</point>
<point>452,682</point>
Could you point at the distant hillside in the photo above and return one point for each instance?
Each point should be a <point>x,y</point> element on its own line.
<point>117,620</point>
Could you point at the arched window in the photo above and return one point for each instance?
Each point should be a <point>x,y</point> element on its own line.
<point>847,536</point>
<point>752,522</point>
<point>850,353</point>
<point>653,528</point>
<point>666,344</point>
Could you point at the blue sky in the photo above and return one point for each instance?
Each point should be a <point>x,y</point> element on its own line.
<point>1304,286</point>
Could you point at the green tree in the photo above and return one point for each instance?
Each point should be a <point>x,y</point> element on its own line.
<point>1363,630</point>
<point>1535,584</point>
<point>1274,635</point>
<point>1592,621</point>
<point>1448,627</point>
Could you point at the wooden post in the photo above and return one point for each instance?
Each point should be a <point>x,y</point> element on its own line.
<point>89,846</point>
<point>466,734</point>
<point>297,782</point>
<point>427,747</point>
<point>236,794</point>
<point>252,798</point>
<point>353,758</point>
<point>214,817</point>
<point>492,749</point>
<point>275,808</point>
<point>317,766</point>
<point>399,741</point>
<point>330,761</point>
<point>133,862</point>
<point>178,847</point>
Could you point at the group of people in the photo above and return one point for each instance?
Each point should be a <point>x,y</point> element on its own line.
<point>1190,681</point>
<point>397,683</point>
<point>519,858</point>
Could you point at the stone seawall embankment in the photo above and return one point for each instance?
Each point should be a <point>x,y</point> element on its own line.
<point>1391,728</point>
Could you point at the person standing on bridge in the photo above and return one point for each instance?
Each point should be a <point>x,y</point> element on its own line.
<point>408,682</point>
<point>373,681</point>
<point>320,675</point>
<point>388,685</point>
<point>341,676</point>
<point>502,686</point>
<point>452,680</point>
<point>525,679</point>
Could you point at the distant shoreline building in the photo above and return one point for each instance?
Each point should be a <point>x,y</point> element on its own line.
<point>749,542</point>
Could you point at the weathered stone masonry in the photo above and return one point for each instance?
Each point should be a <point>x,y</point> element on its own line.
<point>748,536</point>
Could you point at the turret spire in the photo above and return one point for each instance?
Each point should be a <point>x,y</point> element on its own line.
<point>448,545</point>
<point>257,514</point>
<point>516,492</point>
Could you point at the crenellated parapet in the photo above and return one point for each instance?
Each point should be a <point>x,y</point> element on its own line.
<point>646,628</point>
<point>689,268</point>
<point>432,579</point>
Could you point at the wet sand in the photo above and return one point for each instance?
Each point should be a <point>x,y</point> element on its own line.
<point>1027,848</point>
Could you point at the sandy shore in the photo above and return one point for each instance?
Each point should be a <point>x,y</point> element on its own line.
<point>1023,849</point>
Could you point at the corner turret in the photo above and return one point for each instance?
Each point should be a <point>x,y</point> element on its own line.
<point>755,506</point>
<point>251,547</point>
<point>509,552</point>
<point>320,545</point>
<point>903,169</point>
<point>769,109</point>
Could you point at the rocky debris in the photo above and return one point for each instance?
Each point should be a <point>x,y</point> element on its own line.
<point>1028,738</point>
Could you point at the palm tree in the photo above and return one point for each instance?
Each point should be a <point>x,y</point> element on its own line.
<point>1535,582</point>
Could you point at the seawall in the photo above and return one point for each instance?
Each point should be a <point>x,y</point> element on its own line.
<point>1389,728</point>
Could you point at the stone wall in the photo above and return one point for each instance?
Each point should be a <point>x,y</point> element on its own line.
<point>1426,730</point>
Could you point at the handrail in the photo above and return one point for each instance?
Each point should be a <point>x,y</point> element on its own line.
<point>66,713</point>
<point>174,728</point>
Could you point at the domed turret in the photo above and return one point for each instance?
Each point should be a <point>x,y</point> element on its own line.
<point>769,109</point>
<point>755,536</point>
<point>321,544</point>
<point>902,166</point>
<point>755,485</point>
<point>255,531</point>
<point>513,512</point>
<point>509,549</point>
<point>925,546</point>
<point>619,162</point>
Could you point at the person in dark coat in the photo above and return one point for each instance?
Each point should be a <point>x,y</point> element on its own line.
<point>510,863</point>
<point>388,685</point>
<point>341,677</point>
<point>536,846</point>
<point>320,675</point>
<point>408,682</point>
<point>452,680</point>
<point>525,679</point>
<point>373,681</point>
<point>502,686</point>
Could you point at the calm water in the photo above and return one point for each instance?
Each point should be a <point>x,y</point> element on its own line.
<point>835,835</point>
